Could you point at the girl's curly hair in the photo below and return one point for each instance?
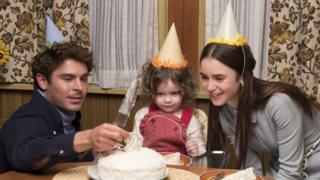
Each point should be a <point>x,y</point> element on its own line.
<point>152,77</point>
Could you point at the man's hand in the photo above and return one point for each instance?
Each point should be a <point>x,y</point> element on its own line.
<point>101,138</point>
<point>107,136</point>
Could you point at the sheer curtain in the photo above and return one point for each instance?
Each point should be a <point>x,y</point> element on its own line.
<point>252,17</point>
<point>124,35</point>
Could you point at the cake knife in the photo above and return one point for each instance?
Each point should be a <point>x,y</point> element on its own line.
<point>126,107</point>
<point>128,102</point>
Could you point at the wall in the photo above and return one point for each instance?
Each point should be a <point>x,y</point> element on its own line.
<point>98,107</point>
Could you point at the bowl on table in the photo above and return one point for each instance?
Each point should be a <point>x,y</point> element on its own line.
<point>220,173</point>
<point>176,159</point>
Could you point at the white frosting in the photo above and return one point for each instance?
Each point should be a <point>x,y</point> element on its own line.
<point>143,164</point>
<point>132,143</point>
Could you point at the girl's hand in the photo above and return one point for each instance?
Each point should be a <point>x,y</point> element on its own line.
<point>192,148</point>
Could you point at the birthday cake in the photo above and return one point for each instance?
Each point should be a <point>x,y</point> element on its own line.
<point>132,163</point>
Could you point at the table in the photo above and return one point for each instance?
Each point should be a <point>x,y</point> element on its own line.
<point>14,175</point>
<point>201,164</point>
<point>215,159</point>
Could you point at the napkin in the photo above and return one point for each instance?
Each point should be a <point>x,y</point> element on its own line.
<point>172,158</point>
<point>246,174</point>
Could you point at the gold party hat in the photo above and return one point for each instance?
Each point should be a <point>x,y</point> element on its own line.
<point>228,32</point>
<point>170,55</point>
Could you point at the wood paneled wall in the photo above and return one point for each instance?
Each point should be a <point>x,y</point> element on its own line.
<point>97,108</point>
<point>185,15</point>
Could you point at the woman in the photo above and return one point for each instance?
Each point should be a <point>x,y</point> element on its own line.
<point>259,116</point>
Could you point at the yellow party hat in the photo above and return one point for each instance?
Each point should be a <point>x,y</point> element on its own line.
<point>228,32</point>
<point>170,54</point>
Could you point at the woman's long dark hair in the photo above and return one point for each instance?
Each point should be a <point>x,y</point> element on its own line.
<point>253,95</point>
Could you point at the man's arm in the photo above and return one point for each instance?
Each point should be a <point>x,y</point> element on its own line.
<point>41,151</point>
<point>102,138</point>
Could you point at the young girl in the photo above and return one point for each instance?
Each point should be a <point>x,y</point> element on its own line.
<point>168,123</point>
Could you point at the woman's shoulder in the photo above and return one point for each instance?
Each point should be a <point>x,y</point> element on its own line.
<point>280,99</point>
<point>281,103</point>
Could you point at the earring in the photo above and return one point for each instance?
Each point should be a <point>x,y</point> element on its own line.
<point>241,83</point>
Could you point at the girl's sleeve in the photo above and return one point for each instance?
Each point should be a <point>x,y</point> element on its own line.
<point>137,120</point>
<point>194,133</point>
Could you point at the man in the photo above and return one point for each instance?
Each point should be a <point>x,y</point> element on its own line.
<point>46,131</point>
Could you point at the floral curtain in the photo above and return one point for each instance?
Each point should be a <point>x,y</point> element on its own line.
<point>22,32</point>
<point>294,44</point>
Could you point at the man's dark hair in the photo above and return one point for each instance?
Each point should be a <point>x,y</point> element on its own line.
<point>51,58</point>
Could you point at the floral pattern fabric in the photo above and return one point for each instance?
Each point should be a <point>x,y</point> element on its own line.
<point>294,44</point>
<point>22,32</point>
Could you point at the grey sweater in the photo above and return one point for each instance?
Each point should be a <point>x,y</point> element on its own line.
<point>282,129</point>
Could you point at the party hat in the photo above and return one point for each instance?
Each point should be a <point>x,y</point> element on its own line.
<point>228,32</point>
<point>52,32</point>
<point>170,55</point>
